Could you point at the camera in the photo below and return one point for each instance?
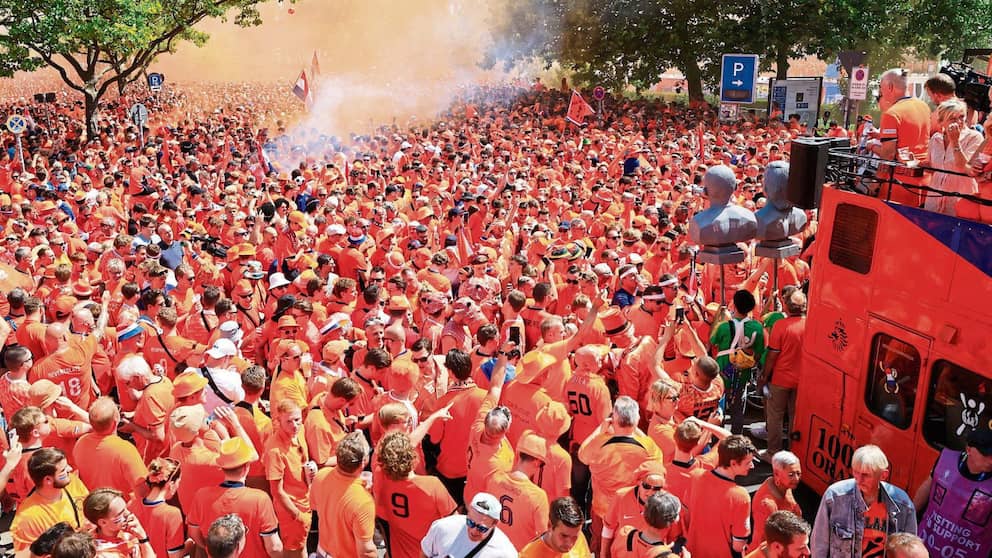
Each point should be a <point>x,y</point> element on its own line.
<point>970,85</point>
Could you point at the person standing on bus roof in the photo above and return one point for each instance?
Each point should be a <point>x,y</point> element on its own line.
<point>856,516</point>
<point>963,481</point>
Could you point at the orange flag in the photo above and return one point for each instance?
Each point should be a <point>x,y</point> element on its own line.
<point>578,109</point>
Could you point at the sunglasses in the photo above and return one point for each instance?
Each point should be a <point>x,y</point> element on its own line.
<point>477,526</point>
<point>647,486</point>
<point>612,237</point>
<point>572,281</point>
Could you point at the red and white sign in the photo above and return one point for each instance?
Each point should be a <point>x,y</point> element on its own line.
<point>858,90</point>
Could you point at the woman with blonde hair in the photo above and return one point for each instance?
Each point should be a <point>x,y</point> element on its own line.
<point>663,397</point>
<point>162,521</point>
<point>951,147</point>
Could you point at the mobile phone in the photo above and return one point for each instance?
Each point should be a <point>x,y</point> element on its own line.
<point>12,437</point>
<point>515,335</point>
<point>679,314</point>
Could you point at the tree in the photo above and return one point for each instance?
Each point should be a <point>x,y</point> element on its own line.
<point>97,44</point>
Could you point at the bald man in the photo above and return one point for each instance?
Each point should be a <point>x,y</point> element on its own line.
<point>70,360</point>
<point>904,130</point>
<point>103,458</point>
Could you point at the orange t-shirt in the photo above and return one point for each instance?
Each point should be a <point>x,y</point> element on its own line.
<point>409,507</point>
<point>253,506</point>
<point>611,459</point>
<point>663,434</point>
<point>153,410</point>
<point>700,403</point>
<point>525,507</point>
<point>453,435</point>
<point>200,470</point>
<point>787,337</point>
<point>539,549</point>
<point>624,511</point>
<point>767,500</point>
<point>588,401</point>
<point>876,527</point>
<point>524,402</point>
<point>107,461</point>
<point>721,511</point>
<point>353,518</point>
<point>163,524</point>
<point>908,122</point>
<point>71,369</point>
<point>323,435</point>
<point>258,426</point>
<point>284,459</point>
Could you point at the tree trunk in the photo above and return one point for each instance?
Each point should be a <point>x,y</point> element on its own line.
<point>693,78</point>
<point>782,63</point>
<point>91,104</point>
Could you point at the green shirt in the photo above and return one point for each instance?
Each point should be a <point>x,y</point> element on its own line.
<point>723,336</point>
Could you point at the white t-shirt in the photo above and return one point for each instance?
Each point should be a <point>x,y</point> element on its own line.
<point>448,538</point>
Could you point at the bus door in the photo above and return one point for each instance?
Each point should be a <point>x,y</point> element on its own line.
<point>889,400</point>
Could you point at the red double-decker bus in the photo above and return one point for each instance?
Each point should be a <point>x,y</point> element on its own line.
<point>898,347</point>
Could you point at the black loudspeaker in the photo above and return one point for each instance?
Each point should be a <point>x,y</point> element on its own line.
<point>807,166</point>
<point>49,97</point>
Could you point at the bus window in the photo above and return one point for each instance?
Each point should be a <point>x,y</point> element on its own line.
<point>852,242</point>
<point>959,400</point>
<point>892,380</point>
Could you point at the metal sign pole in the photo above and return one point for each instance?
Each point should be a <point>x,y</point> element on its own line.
<point>20,152</point>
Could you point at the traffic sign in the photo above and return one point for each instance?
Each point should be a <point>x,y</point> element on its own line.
<point>139,114</point>
<point>858,90</point>
<point>16,123</point>
<point>599,93</point>
<point>155,81</point>
<point>738,77</point>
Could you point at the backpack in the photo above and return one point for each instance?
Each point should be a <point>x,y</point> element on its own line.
<point>741,351</point>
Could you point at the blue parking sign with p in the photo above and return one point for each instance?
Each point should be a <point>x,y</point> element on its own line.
<point>738,77</point>
<point>155,81</point>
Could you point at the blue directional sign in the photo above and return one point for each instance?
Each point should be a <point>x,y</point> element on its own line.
<point>738,77</point>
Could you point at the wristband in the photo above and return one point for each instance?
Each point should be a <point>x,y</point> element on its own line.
<point>143,541</point>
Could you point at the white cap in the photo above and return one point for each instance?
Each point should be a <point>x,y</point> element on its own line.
<point>335,229</point>
<point>405,145</point>
<point>231,330</point>
<point>487,505</point>
<point>222,348</point>
<point>277,280</point>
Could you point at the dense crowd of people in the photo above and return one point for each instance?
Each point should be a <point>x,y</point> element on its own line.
<point>483,336</point>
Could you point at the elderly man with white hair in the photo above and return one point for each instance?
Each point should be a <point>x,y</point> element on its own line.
<point>858,515</point>
<point>153,393</point>
<point>904,133</point>
<point>775,494</point>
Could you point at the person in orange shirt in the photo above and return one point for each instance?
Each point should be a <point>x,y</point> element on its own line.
<point>325,429</point>
<point>32,427</point>
<point>103,458</point>
<point>525,505</point>
<point>285,460</point>
<point>787,536</point>
<point>288,383</point>
<point>191,450</point>
<point>406,503</point>
<point>589,403</point>
<point>662,399</point>
<point>345,509</point>
<point>465,399</point>
<point>700,396</point>
<point>627,508</point>
<point>173,351</point>
<point>58,496</point>
<point>254,421</point>
<point>253,506</point>
<point>661,512</point>
<point>155,402</point>
<point>611,452</point>
<point>556,478</point>
<point>162,521</point>
<point>775,493</point>
<point>564,538</point>
<point>690,441</point>
<point>14,384</point>
<point>31,332</point>
<point>69,363</point>
<point>489,451</point>
<point>68,420</point>
<point>720,509</point>
<point>117,533</point>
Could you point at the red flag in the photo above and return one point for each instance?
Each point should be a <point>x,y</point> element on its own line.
<point>302,89</point>
<point>314,66</point>
<point>578,109</point>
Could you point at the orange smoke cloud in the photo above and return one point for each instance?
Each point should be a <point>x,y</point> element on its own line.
<point>379,59</point>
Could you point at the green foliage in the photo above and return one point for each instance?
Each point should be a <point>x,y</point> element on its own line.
<point>96,44</point>
<point>624,43</point>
